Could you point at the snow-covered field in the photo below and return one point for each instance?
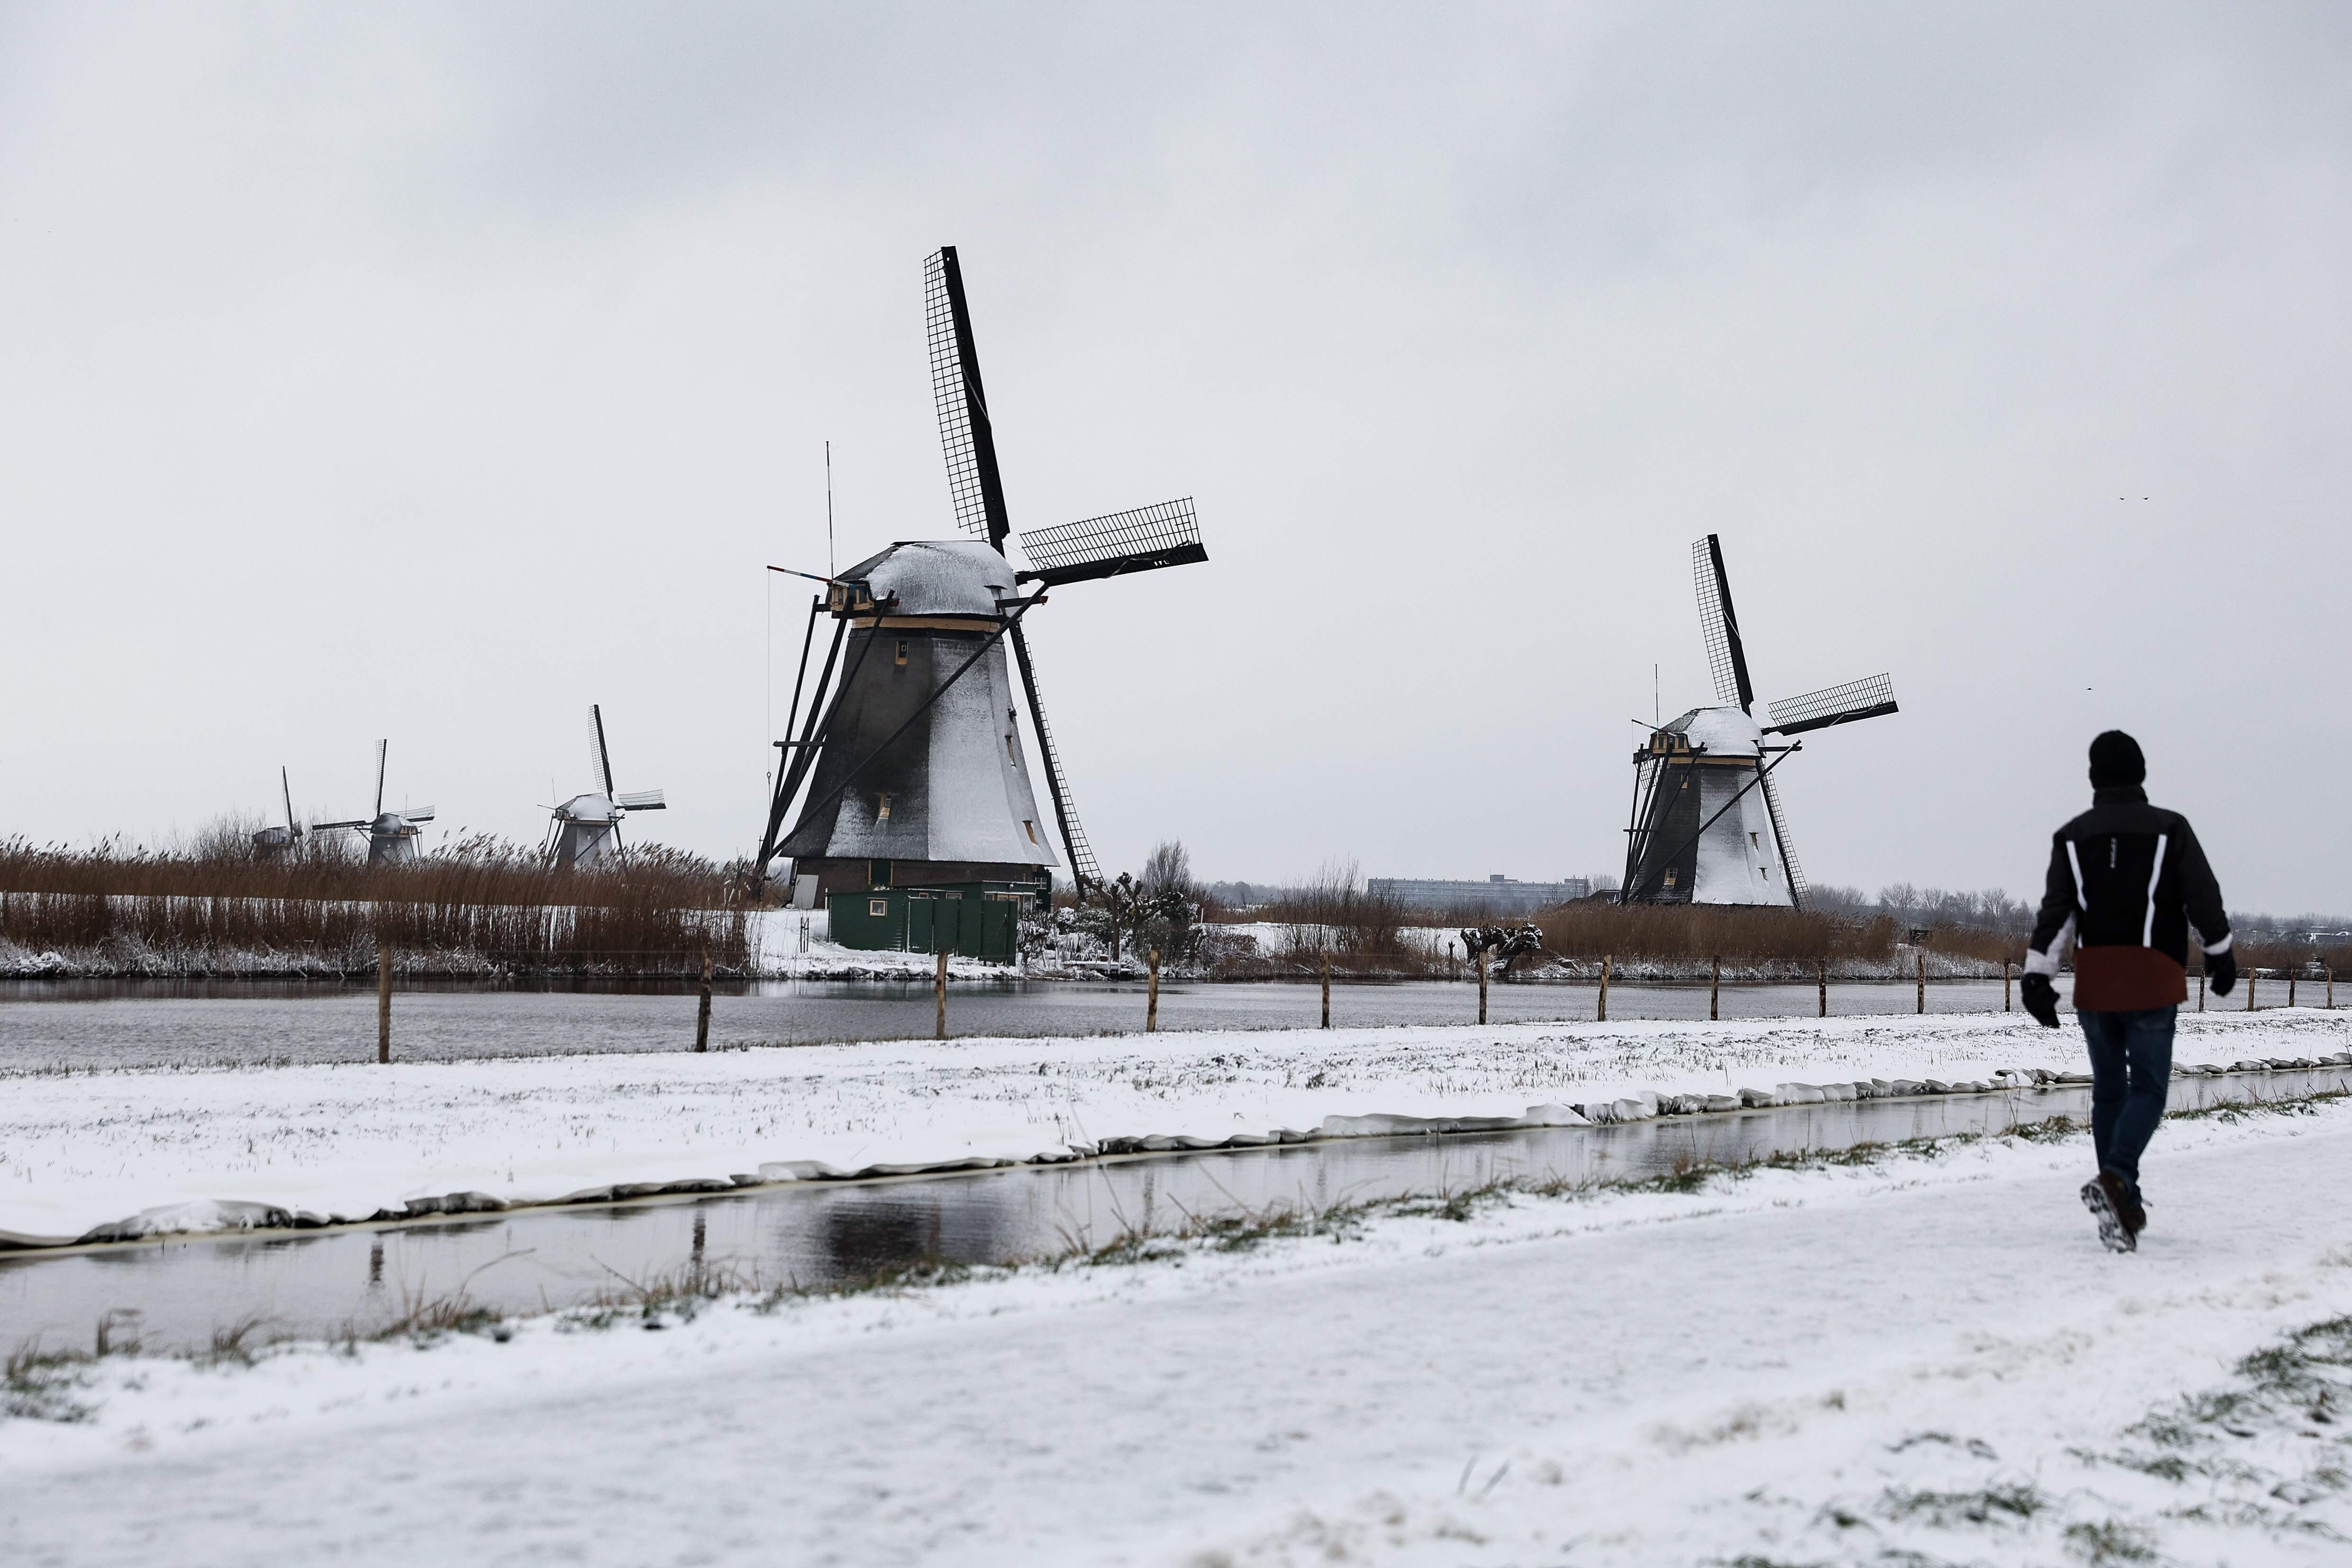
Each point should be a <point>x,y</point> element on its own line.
<point>85,1148</point>
<point>1922,1359</point>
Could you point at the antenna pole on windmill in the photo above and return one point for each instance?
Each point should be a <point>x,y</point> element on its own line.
<point>1657,713</point>
<point>381,747</point>
<point>829,567</point>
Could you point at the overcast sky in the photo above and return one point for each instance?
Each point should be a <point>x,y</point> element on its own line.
<point>432,371</point>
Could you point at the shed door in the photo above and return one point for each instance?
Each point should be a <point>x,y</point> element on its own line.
<point>919,922</point>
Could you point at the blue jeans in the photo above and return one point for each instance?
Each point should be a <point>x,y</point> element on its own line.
<point>2131,1068</point>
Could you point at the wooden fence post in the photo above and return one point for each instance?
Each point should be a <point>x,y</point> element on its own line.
<point>383,999</point>
<point>1482,984</point>
<point>2201,987</point>
<point>2290,988</point>
<point>2004,985</point>
<point>2249,988</point>
<point>1151,1007</point>
<point>1327,990</point>
<point>1822,974</point>
<point>1606,958</point>
<point>940,990</point>
<point>702,1014</point>
<point>1920,961</point>
<point>1714,988</point>
<point>2331,988</point>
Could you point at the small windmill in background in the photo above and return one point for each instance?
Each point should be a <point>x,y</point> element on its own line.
<point>273,842</point>
<point>1708,827</point>
<point>391,834</point>
<point>586,830</point>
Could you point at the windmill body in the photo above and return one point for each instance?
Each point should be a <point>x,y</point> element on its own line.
<point>1709,836</point>
<point>919,779</point>
<point>584,832</point>
<point>909,769</point>
<point>1708,824</point>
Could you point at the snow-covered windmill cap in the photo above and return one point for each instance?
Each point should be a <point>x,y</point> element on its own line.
<point>1722,731</point>
<point>942,577</point>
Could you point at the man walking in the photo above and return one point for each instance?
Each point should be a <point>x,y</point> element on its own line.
<point>2127,882</point>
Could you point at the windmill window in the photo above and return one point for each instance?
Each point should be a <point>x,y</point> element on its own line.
<point>1670,876</point>
<point>1030,826</point>
<point>902,650</point>
<point>878,907</point>
<point>882,808</point>
<point>1751,840</point>
<point>1010,753</point>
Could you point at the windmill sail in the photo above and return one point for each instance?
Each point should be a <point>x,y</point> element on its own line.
<point>601,757</point>
<point>1143,540</point>
<point>1727,658</point>
<point>1083,868</point>
<point>1865,698</point>
<point>966,433</point>
<point>1798,888</point>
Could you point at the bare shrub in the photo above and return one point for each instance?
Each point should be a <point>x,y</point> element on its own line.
<point>1333,916</point>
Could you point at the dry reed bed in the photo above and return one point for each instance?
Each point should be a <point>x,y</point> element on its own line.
<point>478,906</point>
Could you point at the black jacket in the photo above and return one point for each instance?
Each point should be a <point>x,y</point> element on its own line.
<point>2126,882</point>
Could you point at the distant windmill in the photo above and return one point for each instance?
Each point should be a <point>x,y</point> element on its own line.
<point>391,834</point>
<point>272,842</point>
<point>586,830</point>
<point>1707,826</point>
<point>914,767</point>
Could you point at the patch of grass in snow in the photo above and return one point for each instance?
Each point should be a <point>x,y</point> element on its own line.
<point>2224,1441</point>
<point>2254,1105</point>
<point>2006,1503</point>
<point>2110,1541</point>
<point>40,1385</point>
<point>654,1299</point>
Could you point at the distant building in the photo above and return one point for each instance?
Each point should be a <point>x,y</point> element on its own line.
<point>1498,894</point>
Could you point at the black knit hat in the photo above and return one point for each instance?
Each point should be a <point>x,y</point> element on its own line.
<point>2115,760</point>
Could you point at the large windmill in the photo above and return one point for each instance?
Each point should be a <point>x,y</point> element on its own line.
<point>391,835</point>
<point>913,760</point>
<point>586,830</point>
<point>1707,826</point>
<point>271,843</point>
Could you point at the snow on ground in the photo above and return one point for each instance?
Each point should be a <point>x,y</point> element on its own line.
<point>1922,1359</point>
<point>81,1149</point>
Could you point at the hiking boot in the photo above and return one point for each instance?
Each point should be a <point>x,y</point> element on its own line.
<point>2132,1211</point>
<point>2105,1195</point>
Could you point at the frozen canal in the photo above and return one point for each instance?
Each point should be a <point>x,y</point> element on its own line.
<point>86,1023</point>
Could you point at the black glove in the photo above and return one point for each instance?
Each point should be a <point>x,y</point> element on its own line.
<point>2222,971</point>
<point>2041,999</point>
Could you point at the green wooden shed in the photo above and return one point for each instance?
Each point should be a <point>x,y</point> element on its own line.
<point>978,919</point>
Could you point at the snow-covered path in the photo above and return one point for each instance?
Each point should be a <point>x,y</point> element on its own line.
<point>1667,1377</point>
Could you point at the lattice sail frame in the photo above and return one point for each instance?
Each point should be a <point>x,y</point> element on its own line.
<point>954,388</point>
<point>1712,628</point>
<point>1799,891</point>
<point>1865,698</point>
<point>1163,534</point>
